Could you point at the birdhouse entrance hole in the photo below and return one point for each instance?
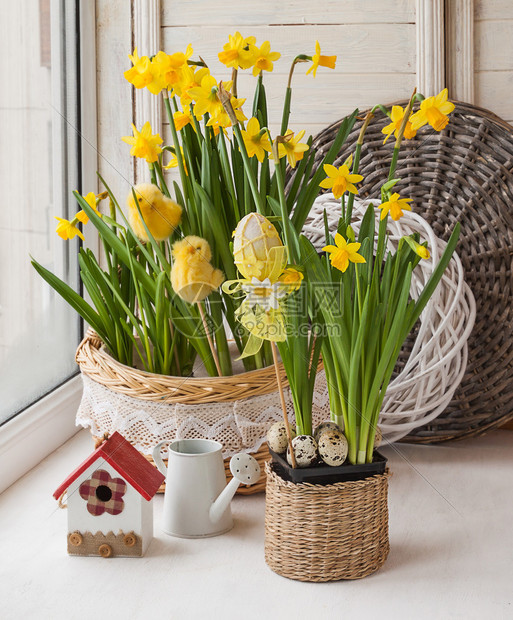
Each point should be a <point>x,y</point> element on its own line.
<point>103,493</point>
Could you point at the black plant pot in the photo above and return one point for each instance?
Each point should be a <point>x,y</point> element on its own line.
<point>324,474</point>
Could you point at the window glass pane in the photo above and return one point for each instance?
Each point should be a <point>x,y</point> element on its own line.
<point>38,170</point>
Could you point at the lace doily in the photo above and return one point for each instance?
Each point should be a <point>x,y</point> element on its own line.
<point>241,426</point>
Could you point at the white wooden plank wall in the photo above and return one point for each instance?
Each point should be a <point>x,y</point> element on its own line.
<point>374,42</point>
<point>493,36</point>
<point>114,94</point>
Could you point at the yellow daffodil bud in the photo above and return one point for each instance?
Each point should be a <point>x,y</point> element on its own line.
<point>420,250</point>
<point>254,238</point>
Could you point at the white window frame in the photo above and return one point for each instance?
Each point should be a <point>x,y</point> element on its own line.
<point>38,430</point>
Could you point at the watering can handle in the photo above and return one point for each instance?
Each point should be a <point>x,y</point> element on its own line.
<point>158,459</point>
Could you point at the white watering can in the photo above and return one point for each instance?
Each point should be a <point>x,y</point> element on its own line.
<point>197,498</point>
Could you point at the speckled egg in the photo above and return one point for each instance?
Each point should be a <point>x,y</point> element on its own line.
<point>325,426</point>
<point>333,447</point>
<point>305,451</point>
<point>277,437</point>
<point>378,437</point>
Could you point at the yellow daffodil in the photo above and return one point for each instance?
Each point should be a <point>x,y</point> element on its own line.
<point>238,53</point>
<point>141,74</point>
<point>321,61</point>
<point>144,143</point>
<point>292,148</point>
<point>167,70</point>
<point>66,229</point>
<point>291,278</point>
<point>221,120</point>
<point>90,198</point>
<point>264,58</point>
<point>343,253</point>
<point>173,162</point>
<point>340,180</point>
<point>182,119</point>
<point>397,116</point>
<point>190,79</point>
<point>256,141</point>
<point>433,110</point>
<point>395,206</point>
<point>205,97</point>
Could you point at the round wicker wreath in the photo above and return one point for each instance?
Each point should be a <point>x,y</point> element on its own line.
<point>465,174</point>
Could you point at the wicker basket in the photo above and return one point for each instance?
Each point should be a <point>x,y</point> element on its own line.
<point>464,174</point>
<point>326,533</point>
<point>97,365</point>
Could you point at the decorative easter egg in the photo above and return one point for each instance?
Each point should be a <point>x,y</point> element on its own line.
<point>277,437</point>
<point>325,426</point>
<point>305,451</point>
<point>333,447</point>
<point>253,240</point>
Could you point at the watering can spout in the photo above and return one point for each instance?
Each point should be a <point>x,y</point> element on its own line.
<point>245,470</point>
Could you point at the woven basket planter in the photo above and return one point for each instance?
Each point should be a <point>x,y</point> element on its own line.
<point>462,174</point>
<point>326,532</point>
<point>148,408</point>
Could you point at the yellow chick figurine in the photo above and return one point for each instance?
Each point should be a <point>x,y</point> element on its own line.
<point>192,276</point>
<point>160,213</point>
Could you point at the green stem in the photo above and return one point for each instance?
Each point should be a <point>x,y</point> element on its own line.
<point>249,171</point>
<point>176,143</point>
<point>356,163</point>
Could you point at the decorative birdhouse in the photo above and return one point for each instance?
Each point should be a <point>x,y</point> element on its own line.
<point>110,512</point>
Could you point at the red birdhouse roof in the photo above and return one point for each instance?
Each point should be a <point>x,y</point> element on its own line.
<point>125,459</point>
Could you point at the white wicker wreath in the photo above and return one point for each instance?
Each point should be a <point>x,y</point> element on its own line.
<point>436,365</point>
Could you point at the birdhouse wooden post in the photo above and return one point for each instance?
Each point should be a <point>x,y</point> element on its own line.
<point>109,501</point>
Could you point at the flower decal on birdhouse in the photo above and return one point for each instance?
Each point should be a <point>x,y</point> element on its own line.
<point>103,493</point>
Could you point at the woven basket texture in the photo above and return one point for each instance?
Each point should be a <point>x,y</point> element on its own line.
<point>326,533</point>
<point>462,174</point>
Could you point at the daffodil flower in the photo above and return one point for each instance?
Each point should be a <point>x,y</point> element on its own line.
<point>433,110</point>
<point>144,144</point>
<point>205,97</point>
<point>141,74</point>
<point>221,119</point>
<point>292,148</point>
<point>291,279</point>
<point>264,58</point>
<point>265,294</point>
<point>238,53</point>
<point>340,180</point>
<point>90,198</point>
<point>182,119</point>
<point>396,116</point>
<point>256,140</point>
<point>343,253</point>
<point>321,61</point>
<point>190,79</point>
<point>173,162</point>
<point>167,70</point>
<point>68,230</point>
<point>395,205</point>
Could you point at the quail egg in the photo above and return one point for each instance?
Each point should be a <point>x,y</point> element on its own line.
<point>325,426</point>
<point>277,437</point>
<point>333,447</point>
<point>305,451</point>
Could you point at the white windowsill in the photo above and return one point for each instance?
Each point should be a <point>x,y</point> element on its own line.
<point>32,435</point>
<point>451,544</point>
